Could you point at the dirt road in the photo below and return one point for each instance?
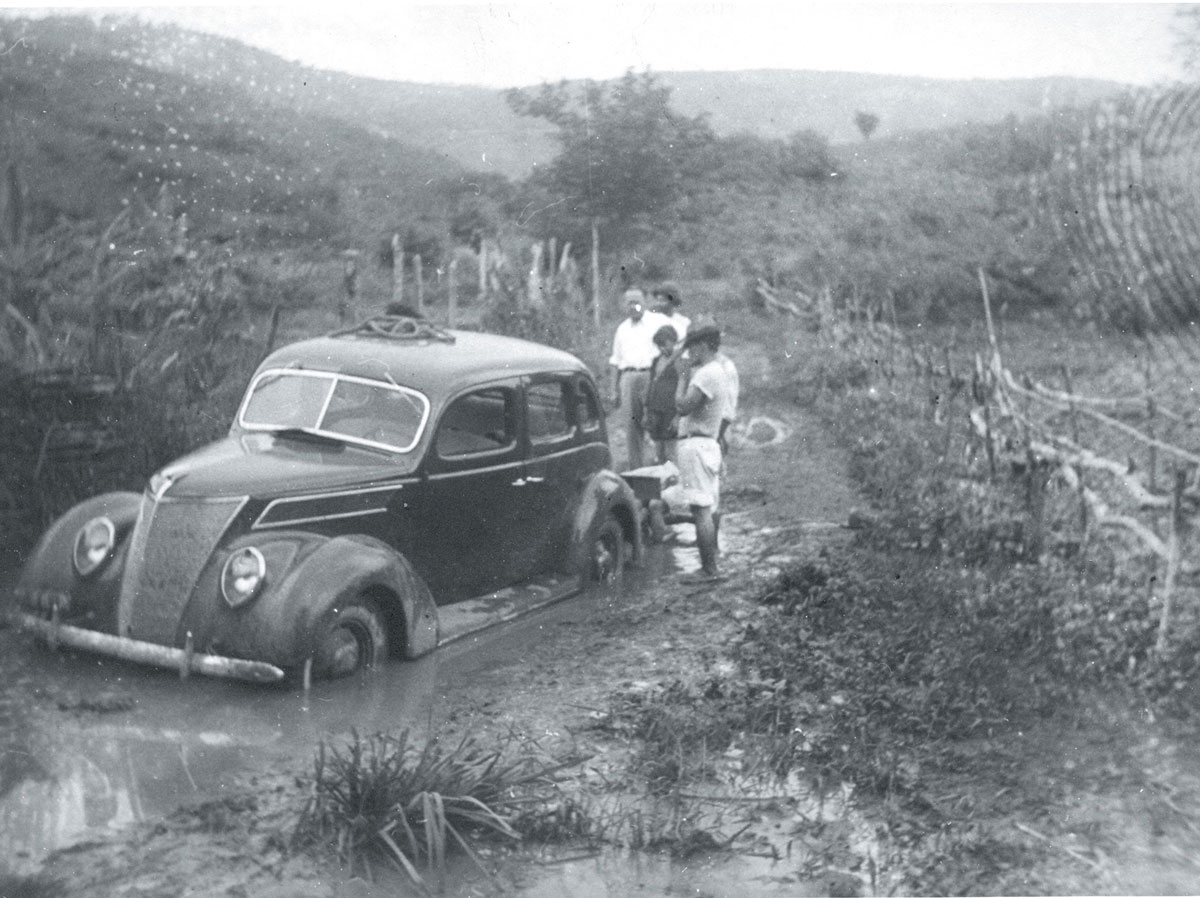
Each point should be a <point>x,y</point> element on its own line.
<point>1100,799</point>
<point>132,746</point>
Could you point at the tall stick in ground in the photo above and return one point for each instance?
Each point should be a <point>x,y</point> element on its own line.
<point>419,276</point>
<point>1173,537</point>
<point>452,293</point>
<point>1084,529</point>
<point>987,311</point>
<point>595,272</point>
<point>397,269</point>
<point>1148,374</point>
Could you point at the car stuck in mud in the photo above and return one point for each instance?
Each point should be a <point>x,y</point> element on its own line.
<point>369,478</point>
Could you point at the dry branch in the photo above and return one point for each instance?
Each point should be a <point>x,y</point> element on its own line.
<point>775,303</point>
<point>1133,432</point>
<point>1105,518</point>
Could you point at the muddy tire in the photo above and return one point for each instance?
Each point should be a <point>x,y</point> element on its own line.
<point>606,557</point>
<point>352,638</point>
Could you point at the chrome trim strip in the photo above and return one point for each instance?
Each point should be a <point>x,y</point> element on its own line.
<point>446,475</point>
<point>291,522</point>
<point>560,452</point>
<point>198,500</point>
<point>261,523</point>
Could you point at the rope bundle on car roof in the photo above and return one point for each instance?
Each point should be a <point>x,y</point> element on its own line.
<point>398,327</point>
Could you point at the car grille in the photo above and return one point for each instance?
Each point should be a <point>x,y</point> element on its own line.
<point>171,543</point>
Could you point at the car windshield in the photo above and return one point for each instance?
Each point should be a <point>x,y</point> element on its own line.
<point>355,409</point>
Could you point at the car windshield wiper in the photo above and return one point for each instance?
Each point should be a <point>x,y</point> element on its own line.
<point>307,434</point>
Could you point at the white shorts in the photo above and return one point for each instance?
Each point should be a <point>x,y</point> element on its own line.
<point>699,471</point>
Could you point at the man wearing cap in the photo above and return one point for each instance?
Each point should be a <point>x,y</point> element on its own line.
<point>669,300</point>
<point>704,399</point>
<point>632,355</point>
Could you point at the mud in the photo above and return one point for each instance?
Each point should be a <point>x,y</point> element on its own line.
<point>99,753</point>
<point>120,781</point>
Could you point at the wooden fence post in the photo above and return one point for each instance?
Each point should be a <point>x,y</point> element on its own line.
<point>419,276</point>
<point>984,390</point>
<point>452,293</point>
<point>1176,527</point>
<point>596,272</point>
<point>951,394</point>
<point>1036,477</point>
<point>350,282</point>
<point>1152,461</point>
<point>1069,388</point>
<point>536,293</point>
<point>397,270</point>
<point>892,334</point>
<point>483,267</point>
<point>272,329</point>
<point>987,311</point>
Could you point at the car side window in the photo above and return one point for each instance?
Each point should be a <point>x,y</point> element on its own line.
<point>587,406</point>
<point>480,421</point>
<point>548,411</point>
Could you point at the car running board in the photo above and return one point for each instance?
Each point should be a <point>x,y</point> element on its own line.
<point>472,615</point>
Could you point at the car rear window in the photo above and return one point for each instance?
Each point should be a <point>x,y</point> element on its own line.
<point>548,404</point>
<point>482,421</point>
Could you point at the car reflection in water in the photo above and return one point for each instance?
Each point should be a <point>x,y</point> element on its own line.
<point>83,774</point>
<point>75,775</point>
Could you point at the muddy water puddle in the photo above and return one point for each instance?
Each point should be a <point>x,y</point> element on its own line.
<point>89,746</point>
<point>763,840</point>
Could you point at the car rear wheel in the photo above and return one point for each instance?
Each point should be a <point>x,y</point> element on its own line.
<point>353,638</point>
<point>607,560</point>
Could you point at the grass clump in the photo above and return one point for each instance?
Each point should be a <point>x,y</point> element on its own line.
<point>386,798</point>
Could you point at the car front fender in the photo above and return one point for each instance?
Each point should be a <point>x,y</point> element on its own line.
<point>48,577</point>
<point>605,493</point>
<point>279,625</point>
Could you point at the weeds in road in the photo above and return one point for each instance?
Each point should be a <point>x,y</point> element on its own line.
<point>386,797</point>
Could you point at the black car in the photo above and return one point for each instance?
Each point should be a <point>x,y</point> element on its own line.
<point>370,477</point>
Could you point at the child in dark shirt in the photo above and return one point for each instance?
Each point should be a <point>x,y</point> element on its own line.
<point>660,418</point>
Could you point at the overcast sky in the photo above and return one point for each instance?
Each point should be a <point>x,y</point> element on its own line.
<point>507,44</point>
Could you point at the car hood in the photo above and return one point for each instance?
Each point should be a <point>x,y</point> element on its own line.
<point>266,465</point>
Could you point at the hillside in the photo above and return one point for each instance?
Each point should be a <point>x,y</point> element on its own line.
<point>778,103</point>
<point>474,127</point>
<point>92,118</point>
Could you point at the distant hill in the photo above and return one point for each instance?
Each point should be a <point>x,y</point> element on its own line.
<point>778,103</point>
<point>474,127</point>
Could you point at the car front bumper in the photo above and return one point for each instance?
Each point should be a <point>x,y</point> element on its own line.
<point>184,660</point>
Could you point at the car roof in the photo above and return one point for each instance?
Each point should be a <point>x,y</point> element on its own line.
<point>437,362</point>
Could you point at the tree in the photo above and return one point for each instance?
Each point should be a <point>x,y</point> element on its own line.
<point>626,157</point>
<point>867,122</point>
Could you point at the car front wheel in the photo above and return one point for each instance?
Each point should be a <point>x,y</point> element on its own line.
<point>607,560</point>
<point>352,638</point>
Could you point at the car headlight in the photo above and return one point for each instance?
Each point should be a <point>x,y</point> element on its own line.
<point>244,574</point>
<point>94,545</point>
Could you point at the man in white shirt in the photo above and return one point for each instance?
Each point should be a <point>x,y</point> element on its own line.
<point>670,298</point>
<point>632,355</point>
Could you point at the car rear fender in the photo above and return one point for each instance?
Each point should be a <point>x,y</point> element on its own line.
<point>349,567</point>
<point>48,575</point>
<point>605,494</point>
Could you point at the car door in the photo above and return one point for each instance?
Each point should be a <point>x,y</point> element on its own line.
<point>562,417</point>
<point>470,512</point>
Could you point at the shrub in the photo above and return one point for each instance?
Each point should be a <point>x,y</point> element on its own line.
<point>383,797</point>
